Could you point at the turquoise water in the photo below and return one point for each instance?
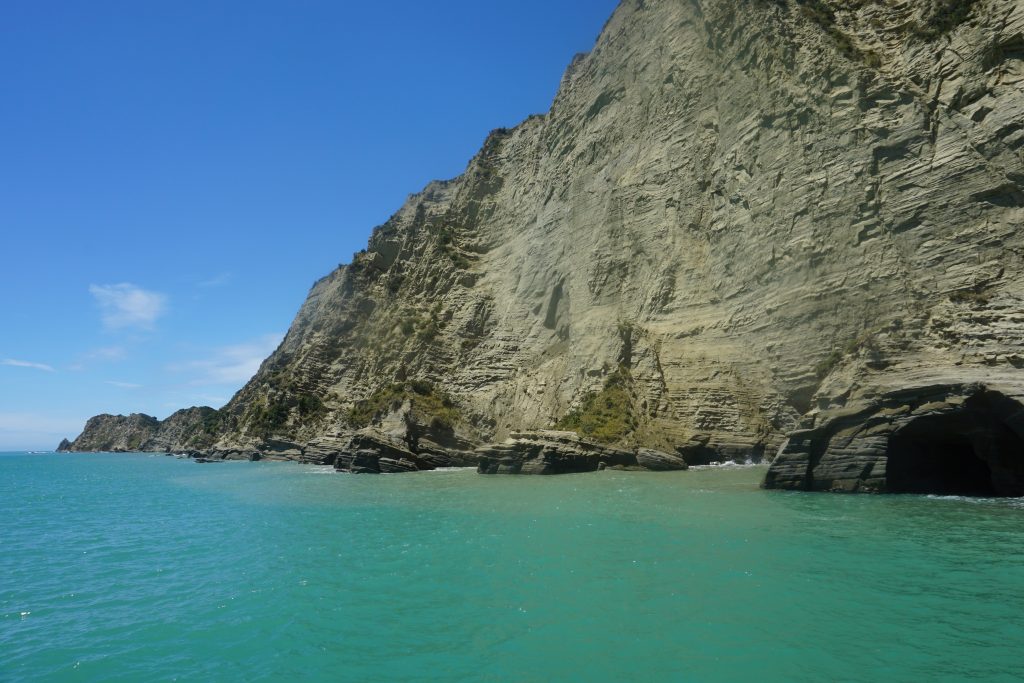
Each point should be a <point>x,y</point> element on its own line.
<point>131,568</point>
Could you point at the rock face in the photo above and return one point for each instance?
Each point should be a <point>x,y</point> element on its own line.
<point>941,439</point>
<point>186,430</point>
<point>371,451</point>
<point>552,452</point>
<point>734,214</point>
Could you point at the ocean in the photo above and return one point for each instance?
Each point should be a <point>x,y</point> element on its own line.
<point>148,568</point>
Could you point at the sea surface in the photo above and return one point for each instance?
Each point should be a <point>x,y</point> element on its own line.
<point>149,568</point>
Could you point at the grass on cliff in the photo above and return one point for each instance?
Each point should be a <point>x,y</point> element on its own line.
<point>438,409</point>
<point>605,416</point>
<point>865,341</point>
<point>947,16</point>
<point>274,413</point>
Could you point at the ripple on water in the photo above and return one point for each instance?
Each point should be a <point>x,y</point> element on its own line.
<point>124,568</point>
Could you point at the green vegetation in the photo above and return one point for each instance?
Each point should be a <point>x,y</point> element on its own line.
<point>865,341</point>
<point>429,330</point>
<point>828,364</point>
<point>448,239</point>
<point>947,16</point>
<point>274,412</point>
<point>438,409</point>
<point>977,296</point>
<point>822,15</point>
<point>211,421</point>
<point>425,327</point>
<point>607,415</point>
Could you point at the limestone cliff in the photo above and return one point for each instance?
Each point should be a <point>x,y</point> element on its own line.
<point>734,214</point>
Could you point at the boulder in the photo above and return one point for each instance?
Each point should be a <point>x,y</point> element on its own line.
<point>370,451</point>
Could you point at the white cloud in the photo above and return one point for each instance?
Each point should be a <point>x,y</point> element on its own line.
<point>26,364</point>
<point>216,281</point>
<point>107,353</point>
<point>232,365</point>
<point>124,385</point>
<point>126,305</point>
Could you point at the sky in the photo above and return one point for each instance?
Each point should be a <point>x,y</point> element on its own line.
<point>175,174</point>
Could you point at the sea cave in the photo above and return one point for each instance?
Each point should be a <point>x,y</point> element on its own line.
<point>968,451</point>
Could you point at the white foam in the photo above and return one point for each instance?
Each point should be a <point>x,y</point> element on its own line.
<point>728,464</point>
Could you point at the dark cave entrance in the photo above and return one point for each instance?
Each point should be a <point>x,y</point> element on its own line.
<point>968,451</point>
<point>941,464</point>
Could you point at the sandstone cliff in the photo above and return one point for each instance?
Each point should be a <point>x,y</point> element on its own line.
<point>735,214</point>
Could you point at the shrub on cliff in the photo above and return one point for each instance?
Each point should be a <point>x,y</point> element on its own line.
<point>605,416</point>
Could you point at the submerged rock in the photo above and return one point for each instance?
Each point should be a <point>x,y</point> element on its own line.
<point>551,452</point>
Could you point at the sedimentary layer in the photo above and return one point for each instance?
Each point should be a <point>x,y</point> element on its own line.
<point>736,219</point>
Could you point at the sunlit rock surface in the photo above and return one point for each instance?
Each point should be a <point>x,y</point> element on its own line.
<point>765,211</point>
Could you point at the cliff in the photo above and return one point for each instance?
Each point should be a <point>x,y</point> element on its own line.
<point>736,219</point>
<point>186,430</point>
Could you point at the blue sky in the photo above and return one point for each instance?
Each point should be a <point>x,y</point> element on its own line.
<point>174,175</point>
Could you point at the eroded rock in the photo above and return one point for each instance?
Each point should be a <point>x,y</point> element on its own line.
<point>553,452</point>
<point>938,439</point>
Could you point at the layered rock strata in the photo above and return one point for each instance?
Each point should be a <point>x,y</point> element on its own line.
<point>939,439</point>
<point>554,452</point>
<point>734,214</point>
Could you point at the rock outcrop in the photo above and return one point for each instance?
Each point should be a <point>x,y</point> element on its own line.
<point>736,220</point>
<point>186,430</point>
<point>553,452</point>
<point>940,439</point>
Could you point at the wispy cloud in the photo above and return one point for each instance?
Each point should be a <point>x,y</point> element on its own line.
<point>107,353</point>
<point>123,385</point>
<point>127,305</point>
<point>216,281</point>
<point>26,364</point>
<point>232,365</point>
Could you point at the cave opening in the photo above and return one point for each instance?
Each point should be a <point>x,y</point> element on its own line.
<point>969,451</point>
<point>944,465</point>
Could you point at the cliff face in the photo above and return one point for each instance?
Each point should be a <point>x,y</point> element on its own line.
<point>185,430</point>
<point>734,214</point>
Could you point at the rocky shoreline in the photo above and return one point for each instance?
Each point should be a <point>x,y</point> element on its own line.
<point>372,451</point>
